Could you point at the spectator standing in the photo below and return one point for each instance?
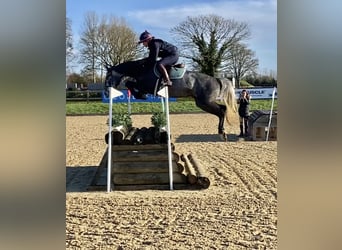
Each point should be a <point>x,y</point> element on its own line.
<point>243,102</point>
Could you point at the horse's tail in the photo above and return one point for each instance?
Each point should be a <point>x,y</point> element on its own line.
<point>229,99</point>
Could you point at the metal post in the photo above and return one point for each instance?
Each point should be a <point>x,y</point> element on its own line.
<point>164,92</point>
<point>109,162</point>
<point>112,94</point>
<point>163,104</point>
<point>129,102</point>
<point>270,117</point>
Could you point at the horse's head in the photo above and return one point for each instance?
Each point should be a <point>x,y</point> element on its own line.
<point>112,77</point>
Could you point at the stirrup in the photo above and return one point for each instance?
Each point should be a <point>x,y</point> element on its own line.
<point>166,83</point>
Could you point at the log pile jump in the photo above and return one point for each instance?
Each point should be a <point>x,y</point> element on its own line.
<point>258,124</point>
<point>133,136</point>
<point>140,161</point>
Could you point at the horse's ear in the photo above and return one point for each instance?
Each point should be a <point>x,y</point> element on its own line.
<point>108,67</point>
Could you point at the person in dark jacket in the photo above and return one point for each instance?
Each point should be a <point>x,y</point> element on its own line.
<point>159,48</point>
<point>243,110</point>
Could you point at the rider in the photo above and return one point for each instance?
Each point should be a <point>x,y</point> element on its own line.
<point>159,48</point>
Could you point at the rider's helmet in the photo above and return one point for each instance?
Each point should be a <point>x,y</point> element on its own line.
<point>145,36</point>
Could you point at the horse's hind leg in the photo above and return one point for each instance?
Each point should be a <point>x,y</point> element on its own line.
<point>215,109</point>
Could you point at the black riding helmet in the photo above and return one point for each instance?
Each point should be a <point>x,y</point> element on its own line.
<point>145,36</point>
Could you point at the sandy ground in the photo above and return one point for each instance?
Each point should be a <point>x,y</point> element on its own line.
<point>237,211</point>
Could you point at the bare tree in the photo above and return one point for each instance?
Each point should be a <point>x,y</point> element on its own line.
<point>106,42</point>
<point>117,42</point>
<point>68,46</point>
<point>242,62</point>
<point>206,40</point>
<point>89,44</point>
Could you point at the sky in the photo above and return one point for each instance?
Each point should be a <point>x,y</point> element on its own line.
<point>158,17</point>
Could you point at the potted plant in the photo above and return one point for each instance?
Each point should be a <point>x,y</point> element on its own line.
<point>158,120</point>
<point>121,123</point>
<point>121,119</point>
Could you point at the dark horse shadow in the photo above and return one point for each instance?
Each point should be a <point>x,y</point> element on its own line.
<point>211,94</point>
<point>204,138</point>
<point>78,179</point>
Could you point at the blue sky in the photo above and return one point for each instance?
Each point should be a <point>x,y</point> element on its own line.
<point>158,17</point>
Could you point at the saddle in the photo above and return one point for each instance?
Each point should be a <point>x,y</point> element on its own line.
<point>175,71</point>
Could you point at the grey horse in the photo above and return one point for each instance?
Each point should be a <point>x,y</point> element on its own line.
<point>209,92</point>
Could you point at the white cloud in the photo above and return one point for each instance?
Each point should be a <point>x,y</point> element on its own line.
<point>260,15</point>
<point>249,11</point>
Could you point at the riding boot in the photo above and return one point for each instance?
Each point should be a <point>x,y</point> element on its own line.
<point>246,127</point>
<point>241,130</point>
<point>138,94</point>
<point>166,77</point>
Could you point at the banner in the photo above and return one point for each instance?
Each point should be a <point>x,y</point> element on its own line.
<point>257,93</point>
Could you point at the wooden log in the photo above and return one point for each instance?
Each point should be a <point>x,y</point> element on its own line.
<point>163,137</point>
<point>144,167</point>
<point>203,180</point>
<point>118,135</point>
<point>147,178</point>
<point>149,135</point>
<point>129,138</point>
<point>180,167</point>
<point>140,136</point>
<point>190,171</point>
<point>175,156</point>
<point>160,136</point>
<point>198,167</point>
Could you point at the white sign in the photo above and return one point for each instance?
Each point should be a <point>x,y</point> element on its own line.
<point>258,93</point>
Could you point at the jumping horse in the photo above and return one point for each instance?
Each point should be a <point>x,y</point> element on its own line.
<point>209,92</point>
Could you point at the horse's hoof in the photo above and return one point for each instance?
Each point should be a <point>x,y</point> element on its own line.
<point>223,136</point>
<point>140,96</point>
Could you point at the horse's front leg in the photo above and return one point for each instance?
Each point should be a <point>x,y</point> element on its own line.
<point>130,85</point>
<point>136,92</point>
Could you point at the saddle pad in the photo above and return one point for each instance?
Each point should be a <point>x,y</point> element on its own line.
<point>174,73</point>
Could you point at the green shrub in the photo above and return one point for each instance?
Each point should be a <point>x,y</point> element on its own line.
<point>121,119</point>
<point>158,119</point>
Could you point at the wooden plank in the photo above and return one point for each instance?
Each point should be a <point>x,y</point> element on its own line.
<point>147,178</point>
<point>143,156</point>
<point>176,186</point>
<point>141,147</point>
<point>264,120</point>
<point>140,156</point>
<point>145,167</point>
<point>259,133</point>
